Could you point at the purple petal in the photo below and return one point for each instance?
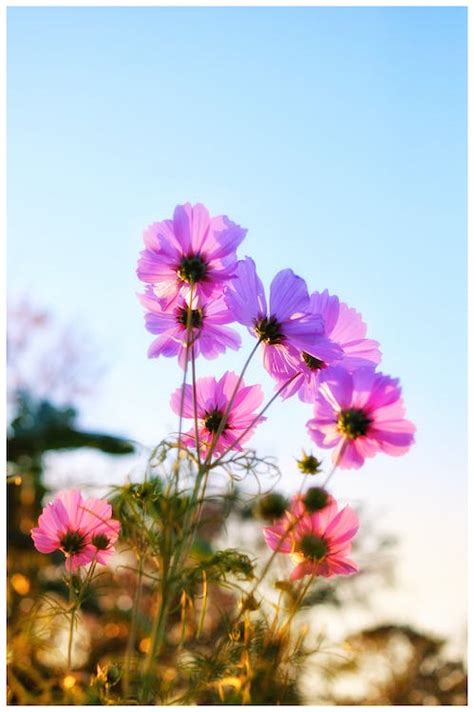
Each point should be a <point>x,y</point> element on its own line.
<point>288,296</point>
<point>245,296</point>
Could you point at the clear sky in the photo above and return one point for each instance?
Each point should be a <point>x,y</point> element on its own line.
<point>337,136</point>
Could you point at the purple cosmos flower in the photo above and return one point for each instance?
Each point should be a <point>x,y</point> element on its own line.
<point>287,327</point>
<point>191,250</point>
<point>346,330</point>
<point>212,400</point>
<point>209,335</point>
<point>359,415</point>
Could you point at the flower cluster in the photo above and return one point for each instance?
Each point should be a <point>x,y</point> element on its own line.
<point>312,345</point>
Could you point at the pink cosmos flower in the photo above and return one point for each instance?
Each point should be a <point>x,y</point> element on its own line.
<point>359,415</point>
<point>191,249</point>
<point>319,542</point>
<point>81,528</point>
<point>212,400</point>
<point>287,327</point>
<point>209,334</point>
<point>346,331</point>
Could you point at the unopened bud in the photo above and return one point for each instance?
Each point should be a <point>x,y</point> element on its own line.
<point>272,506</point>
<point>309,464</point>
<point>315,498</point>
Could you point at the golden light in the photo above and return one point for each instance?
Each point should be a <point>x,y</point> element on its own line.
<point>21,584</point>
<point>68,682</point>
<point>112,630</point>
<point>27,496</point>
<point>144,645</point>
<point>26,525</point>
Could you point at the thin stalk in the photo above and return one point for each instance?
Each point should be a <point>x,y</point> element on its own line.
<point>71,628</point>
<point>74,604</point>
<point>196,427</point>
<point>167,558</point>
<point>204,605</point>
<point>254,421</point>
<point>188,344</point>
<point>157,633</point>
<point>336,465</point>
<point>133,625</point>
<point>203,469</point>
<point>165,603</point>
<point>299,598</point>
<point>276,551</point>
<point>184,603</point>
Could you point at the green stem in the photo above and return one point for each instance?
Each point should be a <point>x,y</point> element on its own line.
<point>276,551</point>
<point>254,421</point>
<point>196,427</point>
<point>335,466</point>
<point>299,599</point>
<point>71,635</point>
<point>133,626</point>
<point>72,611</point>
<point>189,342</point>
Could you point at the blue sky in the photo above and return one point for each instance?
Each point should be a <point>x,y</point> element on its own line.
<point>336,136</point>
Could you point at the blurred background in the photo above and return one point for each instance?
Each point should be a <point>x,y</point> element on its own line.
<point>337,136</point>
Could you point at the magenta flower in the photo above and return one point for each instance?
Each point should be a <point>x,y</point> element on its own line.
<point>191,249</point>
<point>359,415</point>
<point>81,528</point>
<point>319,543</point>
<point>345,330</point>
<point>287,327</point>
<point>209,335</point>
<point>212,400</point>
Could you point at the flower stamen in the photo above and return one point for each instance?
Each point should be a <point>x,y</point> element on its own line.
<point>268,329</point>
<point>100,541</point>
<point>313,363</point>
<point>196,317</point>
<point>73,542</point>
<point>213,420</point>
<point>192,269</point>
<point>312,547</point>
<point>353,423</point>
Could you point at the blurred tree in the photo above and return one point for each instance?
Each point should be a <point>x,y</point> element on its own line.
<point>399,665</point>
<point>48,368</point>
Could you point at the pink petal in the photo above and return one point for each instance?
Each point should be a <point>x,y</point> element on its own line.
<point>328,307</point>
<point>336,388</point>
<point>341,566</point>
<point>187,404</point>
<point>44,543</point>
<point>277,539</point>
<point>165,345</point>
<point>343,526</point>
<point>72,500</point>
<point>347,455</point>
<point>305,568</point>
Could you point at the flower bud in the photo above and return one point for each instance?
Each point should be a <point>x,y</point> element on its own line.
<point>315,498</point>
<point>309,464</point>
<point>272,506</point>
